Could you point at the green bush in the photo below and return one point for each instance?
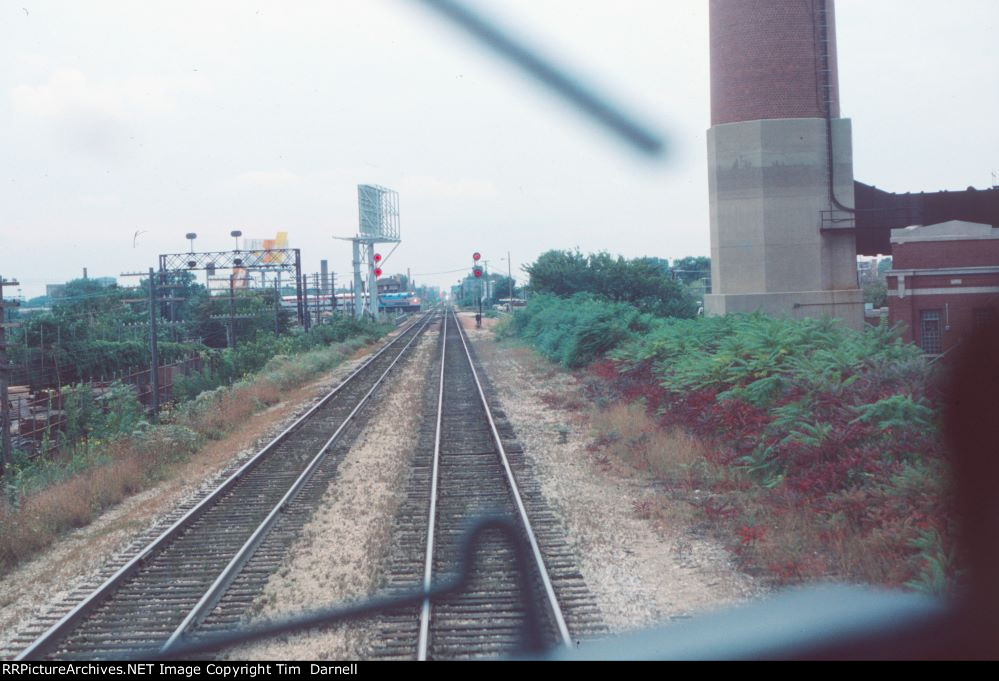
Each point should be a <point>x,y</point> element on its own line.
<point>93,420</point>
<point>109,415</point>
<point>228,366</point>
<point>734,352</point>
<point>645,283</point>
<point>574,331</point>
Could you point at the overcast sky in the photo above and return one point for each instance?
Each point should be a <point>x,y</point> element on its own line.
<point>170,117</point>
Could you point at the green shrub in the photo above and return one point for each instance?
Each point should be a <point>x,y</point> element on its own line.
<point>645,283</point>
<point>574,331</point>
<point>230,365</point>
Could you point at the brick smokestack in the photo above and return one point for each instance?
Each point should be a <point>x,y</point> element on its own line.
<point>766,60</point>
<point>780,173</point>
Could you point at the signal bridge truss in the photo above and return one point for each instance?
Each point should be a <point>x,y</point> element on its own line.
<point>277,261</point>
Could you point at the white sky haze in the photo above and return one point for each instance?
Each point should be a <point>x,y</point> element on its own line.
<point>170,117</point>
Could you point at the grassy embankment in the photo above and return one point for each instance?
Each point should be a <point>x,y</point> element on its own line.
<point>813,449</point>
<point>111,451</point>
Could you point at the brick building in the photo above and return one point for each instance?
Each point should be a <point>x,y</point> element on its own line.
<point>944,281</point>
<point>389,285</point>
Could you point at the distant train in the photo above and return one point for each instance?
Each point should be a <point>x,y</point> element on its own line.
<point>401,301</point>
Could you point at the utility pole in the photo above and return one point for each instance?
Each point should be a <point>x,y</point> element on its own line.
<point>509,276</point>
<point>319,298</point>
<point>155,304</point>
<point>302,306</point>
<point>333,305</point>
<point>154,364</point>
<point>277,309</point>
<point>232,312</point>
<point>169,283</point>
<point>305,302</point>
<point>4,377</point>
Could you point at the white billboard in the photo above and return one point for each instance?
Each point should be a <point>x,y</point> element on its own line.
<point>378,208</point>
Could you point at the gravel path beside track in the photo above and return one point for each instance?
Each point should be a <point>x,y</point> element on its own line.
<point>640,574</point>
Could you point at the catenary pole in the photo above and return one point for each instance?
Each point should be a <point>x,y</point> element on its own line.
<point>154,362</point>
<point>4,379</point>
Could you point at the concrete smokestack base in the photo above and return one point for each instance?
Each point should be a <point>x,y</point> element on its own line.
<point>846,305</point>
<point>767,184</point>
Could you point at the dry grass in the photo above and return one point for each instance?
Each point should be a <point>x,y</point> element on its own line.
<point>216,412</point>
<point>43,516</point>
<point>564,401</point>
<point>264,394</point>
<point>795,545</point>
<point>792,545</point>
<point>626,432</point>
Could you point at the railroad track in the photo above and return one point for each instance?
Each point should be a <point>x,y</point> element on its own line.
<point>469,465</point>
<point>203,572</point>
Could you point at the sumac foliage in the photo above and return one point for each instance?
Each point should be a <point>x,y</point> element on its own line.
<point>837,428</point>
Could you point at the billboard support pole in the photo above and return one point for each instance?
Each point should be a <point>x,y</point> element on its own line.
<point>378,213</point>
<point>372,282</point>
<point>358,300</point>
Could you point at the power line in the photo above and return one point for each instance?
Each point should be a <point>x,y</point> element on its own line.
<point>429,274</point>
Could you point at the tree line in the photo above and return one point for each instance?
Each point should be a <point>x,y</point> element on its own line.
<point>91,330</point>
<point>649,284</point>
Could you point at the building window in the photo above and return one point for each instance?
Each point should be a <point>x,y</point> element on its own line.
<point>930,337</point>
<point>983,315</point>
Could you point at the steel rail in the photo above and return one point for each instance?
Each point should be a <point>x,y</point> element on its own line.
<point>421,650</point>
<point>235,566</point>
<point>454,583</point>
<point>522,511</point>
<point>42,644</point>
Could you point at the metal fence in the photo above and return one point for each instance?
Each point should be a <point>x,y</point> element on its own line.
<point>38,419</point>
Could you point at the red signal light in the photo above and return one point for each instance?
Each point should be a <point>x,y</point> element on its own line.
<point>378,271</point>
<point>378,257</point>
<point>476,256</point>
<point>478,272</point>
